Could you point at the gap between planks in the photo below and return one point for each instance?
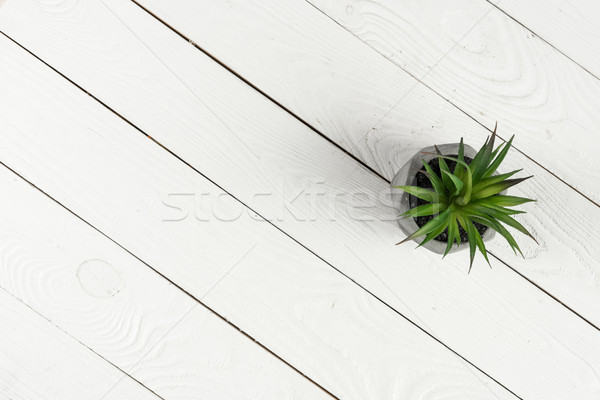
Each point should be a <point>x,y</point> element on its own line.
<point>339,156</point>
<point>197,300</point>
<point>495,5</point>
<point>247,207</point>
<point>419,80</point>
<point>257,89</point>
<point>313,129</point>
<point>544,290</point>
<point>339,147</point>
<point>125,374</point>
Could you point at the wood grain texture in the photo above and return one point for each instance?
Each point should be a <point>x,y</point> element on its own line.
<point>40,362</point>
<point>569,26</point>
<point>425,30</point>
<point>112,303</point>
<point>439,297</point>
<point>331,84</point>
<point>498,72</point>
<point>119,180</point>
<point>199,360</point>
<point>109,184</point>
<point>565,264</point>
<point>501,72</point>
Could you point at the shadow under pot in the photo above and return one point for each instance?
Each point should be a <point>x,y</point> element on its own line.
<point>409,175</point>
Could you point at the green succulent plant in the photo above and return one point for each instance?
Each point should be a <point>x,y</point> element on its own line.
<point>470,193</point>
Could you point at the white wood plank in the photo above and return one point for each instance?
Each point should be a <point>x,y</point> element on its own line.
<point>570,26</point>
<point>110,174</point>
<point>423,30</point>
<point>438,296</point>
<point>125,312</point>
<point>40,362</point>
<point>566,262</point>
<point>498,72</point>
<point>503,73</point>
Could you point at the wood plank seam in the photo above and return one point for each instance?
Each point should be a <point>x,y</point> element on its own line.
<point>125,374</point>
<point>419,80</point>
<point>458,107</point>
<point>158,342</point>
<point>542,39</point>
<point>364,164</point>
<point>227,321</point>
<point>366,265</point>
<point>317,131</point>
<point>514,147</point>
<point>261,153</point>
<point>257,89</point>
<point>420,125</point>
<point>136,128</point>
<point>249,208</point>
<point>194,298</point>
<point>179,78</point>
<point>176,324</point>
<point>544,290</point>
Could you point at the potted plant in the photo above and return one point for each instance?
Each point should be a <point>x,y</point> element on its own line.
<point>452,194</point>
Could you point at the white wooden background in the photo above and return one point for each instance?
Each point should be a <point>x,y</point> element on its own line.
<point>195,199</point>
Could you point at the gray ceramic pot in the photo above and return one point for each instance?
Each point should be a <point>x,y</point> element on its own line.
<point>407,176</point>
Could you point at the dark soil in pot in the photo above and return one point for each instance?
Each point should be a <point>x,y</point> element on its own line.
<point>422,181</point>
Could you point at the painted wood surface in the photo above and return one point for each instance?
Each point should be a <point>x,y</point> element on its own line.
<point>423,32</point>
<point>567,231</point>
<point>496,71</point>
<point>248,271</point>
<point>565,262</point>
<point>503,73</point>
<point>38,361</point>
<point>576,274</point>
<point>119,308</point>
<point>438,296</point>
<point>570,26</point>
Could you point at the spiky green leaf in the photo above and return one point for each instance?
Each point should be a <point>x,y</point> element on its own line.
<point>434,233</point>
<point>440,219</point>
<point>456,230</point>
<point>435,180</point>
<point>508,220</point>
<point>424,194</point>
<point>467,181</point>
<point>471,231</point>
<point>498,227</point>
<point>444,170</point>
<point>507,201</point>
<point>484,157</point>
<point>459,170</point>
<point>480,245</point>
<point>470,195</point>
<point>457,184</point>
<point>497,188</point>
<point>504,210</point>
<point>424,210</point>
<point>493,179</point>
<point>452,233</point>
<point>498,160</point>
